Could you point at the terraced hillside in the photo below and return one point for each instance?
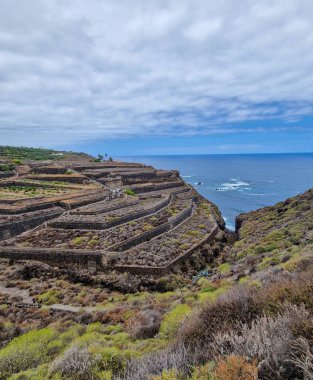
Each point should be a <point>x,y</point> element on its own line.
<point>104,216</point>
<point>134,277</point>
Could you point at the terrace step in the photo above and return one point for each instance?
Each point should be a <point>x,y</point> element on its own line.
<point>163,249</point>
<point>13,227</point>
<point>160,230</point>
<point>95,223</point>
<point>72,178</point>
<point>104,206</point>
<point>53,255</point>
<point>117,238</point>
<point>148,187</point>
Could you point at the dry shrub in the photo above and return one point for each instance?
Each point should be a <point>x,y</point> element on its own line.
<point>145,324</point>
<point>244,304</point>
<point>223,315</point>
<point>75,363</point>
<point>269,340</point>
<point>115,316</point>
<point>304,357</point>
<point>155,364</point>
<point>235,368</point>
<point>252,323</point>
<point>295,288</point>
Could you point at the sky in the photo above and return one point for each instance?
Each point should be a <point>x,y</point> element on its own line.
<point>137,77</point>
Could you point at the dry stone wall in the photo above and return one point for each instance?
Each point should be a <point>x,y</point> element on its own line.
<point>150,233</point>
<point>95,222</point>
<point>13,228</point>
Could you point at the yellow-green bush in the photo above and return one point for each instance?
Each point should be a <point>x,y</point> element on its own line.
<point>26,351</point>
<point>224,268</point>
<point>111,358</point>
<point>50,297</point>
<point>205,372</point>
<point>173,319</point>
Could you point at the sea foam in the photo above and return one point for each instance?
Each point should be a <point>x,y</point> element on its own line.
<point>230,186</point>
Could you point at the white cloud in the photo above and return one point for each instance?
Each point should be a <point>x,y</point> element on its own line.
<point>71,71</point>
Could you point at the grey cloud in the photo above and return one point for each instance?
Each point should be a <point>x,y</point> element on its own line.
<point>81,70</point>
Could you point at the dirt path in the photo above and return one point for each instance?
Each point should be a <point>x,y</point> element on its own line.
<point>15,292</point>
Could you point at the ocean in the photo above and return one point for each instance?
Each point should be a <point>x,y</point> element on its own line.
<point>242,182</point>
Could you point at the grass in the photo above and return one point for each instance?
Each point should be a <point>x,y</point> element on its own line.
<point>129,192</point>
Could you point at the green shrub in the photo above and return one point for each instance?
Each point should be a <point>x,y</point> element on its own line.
<point>269,261</point>
<point>93,242</point>
<point>129,192</point>
<point>39,373</point>
<point>193,233</point>
<point>224,268</point>
<point>172,320</point>
<point>147,227</point>
<point>78,240</point>
<point>17,161</point>
<point>50,297</point>
<point>26,351</point>
<point>112,358</point>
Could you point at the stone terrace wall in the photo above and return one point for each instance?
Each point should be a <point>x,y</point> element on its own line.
<point>145,270</point>
<point>112,172</point>
<point>30,183</point>
<point>175,221</point>
<point>50,170</point>
<point>105,165</point>
<point>53,255</point>
<point>68,202</point>
<point>59,178</point>
<point>145,174</point>
<point>23,184</point>
<point>84,200</point>
<point>94,260</point>
<point>109,224</point>
<point>155,186</point>
<point>110,207</point>
<point>209,237</point>
<point>12,228</point>
<point>167,173</point>
<point>42,205</point>
<point>6,174</point>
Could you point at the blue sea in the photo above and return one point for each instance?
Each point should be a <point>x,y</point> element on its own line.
<point>240,183</point>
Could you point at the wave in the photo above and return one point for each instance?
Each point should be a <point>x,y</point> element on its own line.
<point>236,184</point>
<point>230,186</point>
<point>186,176</point>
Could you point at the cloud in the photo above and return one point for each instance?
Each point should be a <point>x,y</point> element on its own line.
<point>76,71</point>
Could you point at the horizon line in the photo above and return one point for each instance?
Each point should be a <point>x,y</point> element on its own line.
<point>212,154</point>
